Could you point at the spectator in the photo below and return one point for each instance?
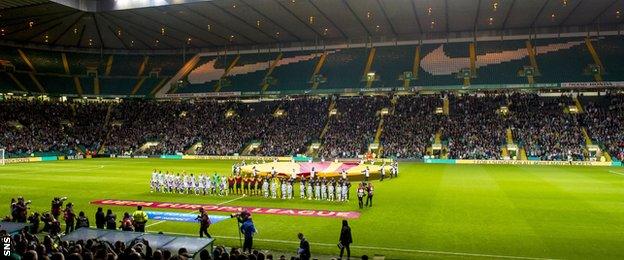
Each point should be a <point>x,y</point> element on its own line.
<point>100,218</point>
<point>111,220</point>
<point>82,221</point>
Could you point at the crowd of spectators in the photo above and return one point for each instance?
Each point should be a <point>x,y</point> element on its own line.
<point>474,128</point>
<point>353,127</point>
<point>48,242</point>
<point>544,129</point>
<point>410,128</point>
<point>604,120</point>
<point>301,122</point>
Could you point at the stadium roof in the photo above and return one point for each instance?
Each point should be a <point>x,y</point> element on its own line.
<point>212,24</point>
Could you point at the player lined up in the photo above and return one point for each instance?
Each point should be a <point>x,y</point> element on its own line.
<point>188,183</point>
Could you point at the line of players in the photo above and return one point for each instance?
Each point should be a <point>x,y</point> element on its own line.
<point>188,183</point>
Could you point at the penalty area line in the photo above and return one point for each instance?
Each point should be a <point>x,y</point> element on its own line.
<point>218,204</point>
<point>433,252</point>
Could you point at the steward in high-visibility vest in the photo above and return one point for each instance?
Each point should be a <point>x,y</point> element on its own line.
<point>139,218</point>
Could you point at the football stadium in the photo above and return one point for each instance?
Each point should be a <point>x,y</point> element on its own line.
<point>311,129</point>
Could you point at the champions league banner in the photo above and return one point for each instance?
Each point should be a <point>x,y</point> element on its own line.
<point>182,217</point>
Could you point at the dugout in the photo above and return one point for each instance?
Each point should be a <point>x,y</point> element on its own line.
<point>194,245</point>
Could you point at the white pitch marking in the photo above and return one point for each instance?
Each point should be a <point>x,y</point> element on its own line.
<point>219,204</point>
<point>618,173</point>
<point>389,248</point>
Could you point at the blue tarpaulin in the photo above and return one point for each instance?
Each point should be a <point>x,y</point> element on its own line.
<point>182,217</point>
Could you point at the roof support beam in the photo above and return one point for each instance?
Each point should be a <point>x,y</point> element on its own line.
<point>513,3</point>
<point>571,13</point>
<point>357,18</point>
<point>68,28</point>
<point>97,29</point>
<point>344,35</point>
<point>144,30</point>
<point>272,21</point>
<point>245,22</point>
<point>476,20</point>
<point>139,39</point>
<point>446,16</point>
<point>414,10</point>
<point>539,13</point>
<point>595,19</point>
<point>385,15</point>
<point>219,24</point>
<point>298,19</point>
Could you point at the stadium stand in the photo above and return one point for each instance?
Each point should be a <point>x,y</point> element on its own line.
<point>405,135</point>
<point>353,127</point>
<point>603,118</point>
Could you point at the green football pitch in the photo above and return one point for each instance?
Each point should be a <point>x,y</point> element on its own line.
<point>430,211</point>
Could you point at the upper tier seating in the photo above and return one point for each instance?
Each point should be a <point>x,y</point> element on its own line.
<point>344,68</point>
<point>611,50</point>
<point>390,63</point>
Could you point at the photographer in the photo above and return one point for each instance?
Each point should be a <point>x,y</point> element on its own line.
<point>34,221</point>
<point>56,205</point>
<point>204,223</point>
<point>247,229</point>
<point>21,210</point>
<point>70,218</point>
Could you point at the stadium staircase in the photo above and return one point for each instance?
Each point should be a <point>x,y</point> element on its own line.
<point>250,147</point>
<point>218,86</point>
<point>193,149</point>
<point>523,155</point>
<point>533,61</point>
<point>377,141</point>
<point>18,83</point>
<point>266,83</point>
<point>596,58</point>
<point>31,73</point>
<point>577,104</point>
<point>183,72</point>
<point>317,69</point>
<point>367,68</point>
<point>445,106</point>
<point>508,141</point>
<point>473,63</point>
<point>106,125</point>
<point>332,107</point>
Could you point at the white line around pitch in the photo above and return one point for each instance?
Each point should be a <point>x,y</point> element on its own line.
<point>387,248</point>
<point>618,173</point>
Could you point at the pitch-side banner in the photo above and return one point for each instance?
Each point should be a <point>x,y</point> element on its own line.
<point>605,84</point>
<point>232,209</point>
<point>529,162</point>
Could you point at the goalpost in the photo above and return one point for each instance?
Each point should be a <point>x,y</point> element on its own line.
<point>2,152</point>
